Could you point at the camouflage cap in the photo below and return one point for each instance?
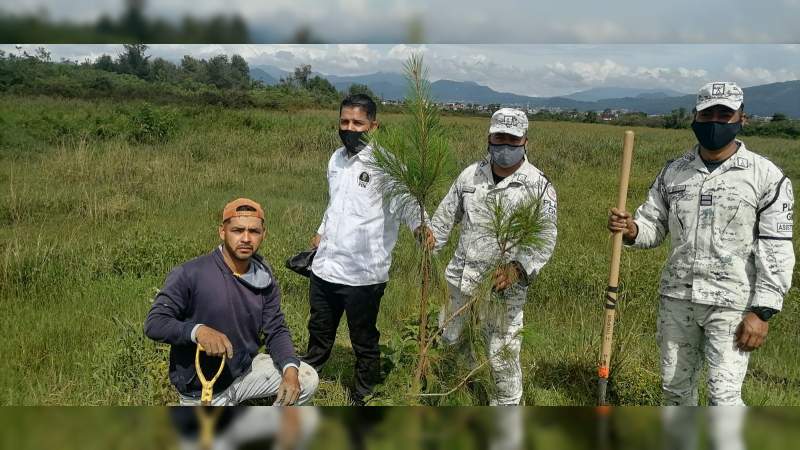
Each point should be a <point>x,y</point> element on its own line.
<point>509,120</point>
<point>720,93</point>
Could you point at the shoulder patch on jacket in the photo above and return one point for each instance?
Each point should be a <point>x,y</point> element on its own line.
<point>742,163</point>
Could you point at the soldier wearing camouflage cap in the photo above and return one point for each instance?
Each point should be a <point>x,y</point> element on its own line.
<point>728,211</point>
<point>506,174</point>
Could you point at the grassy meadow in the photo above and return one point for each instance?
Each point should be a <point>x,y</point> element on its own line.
<point>399,428</point>
<point>99,200</point>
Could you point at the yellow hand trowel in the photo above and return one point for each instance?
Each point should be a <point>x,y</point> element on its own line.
<point>207,394</point>
<point>206,420</point>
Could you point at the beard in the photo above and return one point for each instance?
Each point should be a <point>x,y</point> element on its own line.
<point>240,254</point>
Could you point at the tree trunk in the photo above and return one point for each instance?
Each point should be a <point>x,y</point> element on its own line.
<point>423,313</point>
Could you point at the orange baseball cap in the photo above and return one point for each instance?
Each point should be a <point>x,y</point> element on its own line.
<point>230,209</point>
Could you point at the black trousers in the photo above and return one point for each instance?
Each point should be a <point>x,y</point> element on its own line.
<point>360,303</point>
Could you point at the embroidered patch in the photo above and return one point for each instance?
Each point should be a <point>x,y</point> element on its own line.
<point>548,208</point>
<point>510,121</point>
<point>741,162</point>
<point>705,200</point>
<point>785,227</point>
<point>677,189</point>
<point>363,179</point>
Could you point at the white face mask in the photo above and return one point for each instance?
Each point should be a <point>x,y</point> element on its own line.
<point>506,155</point>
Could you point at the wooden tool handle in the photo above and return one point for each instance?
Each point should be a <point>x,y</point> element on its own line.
<point>612,290</point>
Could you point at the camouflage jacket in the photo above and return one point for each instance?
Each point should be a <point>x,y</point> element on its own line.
<point>477,250</point>
<point>731,230</point>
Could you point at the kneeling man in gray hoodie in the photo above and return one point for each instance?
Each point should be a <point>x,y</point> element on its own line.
<point>228,302</point>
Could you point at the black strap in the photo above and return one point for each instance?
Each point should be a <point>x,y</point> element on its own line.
<point>611,302</point>
<point>758,213</point>
<point>774,199</point>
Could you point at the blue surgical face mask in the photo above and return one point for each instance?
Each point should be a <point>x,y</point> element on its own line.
<point>506,155</point>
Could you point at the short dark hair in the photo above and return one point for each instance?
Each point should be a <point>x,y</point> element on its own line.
<point>363,101</point>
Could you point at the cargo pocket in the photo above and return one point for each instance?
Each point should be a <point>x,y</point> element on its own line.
<point>730,235</point>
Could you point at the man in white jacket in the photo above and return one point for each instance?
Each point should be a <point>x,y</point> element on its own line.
<point>354,248</point>
<point>506,175</point>
<point>729,214</point>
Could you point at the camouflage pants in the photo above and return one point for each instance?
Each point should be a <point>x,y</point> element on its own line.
<point>689,333</point>
<point>504,341</point>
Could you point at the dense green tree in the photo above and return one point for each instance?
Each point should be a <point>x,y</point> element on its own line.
<point>163,70</point>
<point>358,88</point>
<point>219,73</point>
<point>678,118</point>
<point>241,70</point>
<point>302,75</point>
<point>134,60</point>
<point>105,62</point>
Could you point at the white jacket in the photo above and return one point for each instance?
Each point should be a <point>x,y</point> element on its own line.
<point>731,230</point>
<point>465,203</point>
<point>360,225</point>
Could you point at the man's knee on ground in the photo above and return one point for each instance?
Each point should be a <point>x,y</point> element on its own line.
<point>309,381</point>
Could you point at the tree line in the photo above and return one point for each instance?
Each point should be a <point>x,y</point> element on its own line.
<point>134,74</point>
<point>779,125</point>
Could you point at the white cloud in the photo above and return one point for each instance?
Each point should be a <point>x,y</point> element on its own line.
<point>749,76</point>
<point>524,69</point>
<point>401,52</point>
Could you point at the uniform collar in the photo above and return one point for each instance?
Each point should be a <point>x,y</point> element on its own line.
<point>522,173</point>
<point>742,159</point>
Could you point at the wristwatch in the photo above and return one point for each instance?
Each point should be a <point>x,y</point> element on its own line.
<point>763,312</point>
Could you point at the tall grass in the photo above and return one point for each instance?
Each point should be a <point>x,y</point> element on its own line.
<point>91,223</point>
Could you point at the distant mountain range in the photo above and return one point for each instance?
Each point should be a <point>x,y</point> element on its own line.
<point>605,93</point>
<point>763,100</point>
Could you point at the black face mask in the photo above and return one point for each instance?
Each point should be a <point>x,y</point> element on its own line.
<point>714,135</point>
<point>352,140</point>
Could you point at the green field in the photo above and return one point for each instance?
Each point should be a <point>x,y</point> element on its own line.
<point>98,200</point>
<point>627,428</point>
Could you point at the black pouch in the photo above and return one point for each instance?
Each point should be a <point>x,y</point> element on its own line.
<point>301,262</point>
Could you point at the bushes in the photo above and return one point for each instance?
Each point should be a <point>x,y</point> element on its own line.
<point>151,125</point>
<point>138,123</point>
<point>789,129</point>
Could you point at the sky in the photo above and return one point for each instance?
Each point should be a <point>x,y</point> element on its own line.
<point>528,69</point>
<point>471,21</point>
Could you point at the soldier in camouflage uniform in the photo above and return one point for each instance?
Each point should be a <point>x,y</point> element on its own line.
<point>506,174</point>
<point>729,214</point>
